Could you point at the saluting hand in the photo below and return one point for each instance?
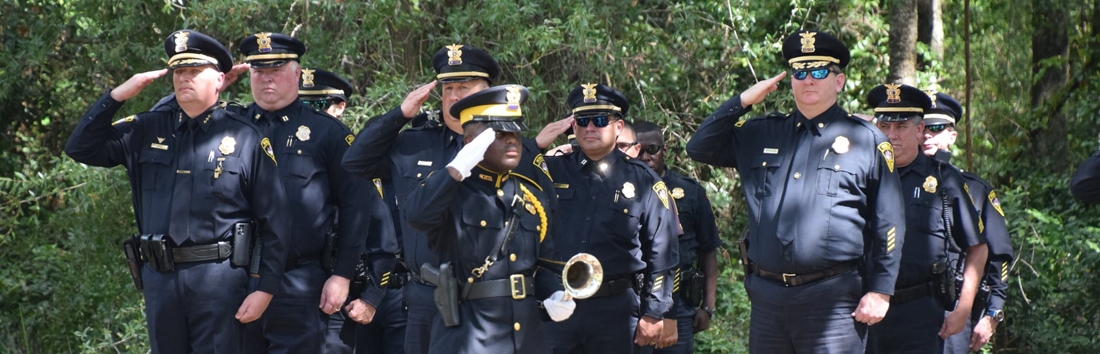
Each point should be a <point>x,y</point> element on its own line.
<point>552,130</point>
<point>334,293</point>
<point>872,308</point>
<point>360,311</point>
<point>253,306</point>
<point>411,105</point>
<point>756,93</point>
<point>135,84</point>
<point>232,76</point>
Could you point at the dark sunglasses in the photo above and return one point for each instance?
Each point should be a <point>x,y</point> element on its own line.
<point>600,121</point>
<point>623,146</point>
<point>935,128</point>
<point>652,149</point>
<point>816,73</point>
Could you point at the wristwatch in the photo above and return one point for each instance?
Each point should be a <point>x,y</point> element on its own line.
<point>996,315</point>
<point>709,310</point>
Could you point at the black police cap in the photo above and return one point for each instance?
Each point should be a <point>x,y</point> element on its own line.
<point>317,84</point>
<point>499,107</point>
<point>597,99</point>
<point>813,49</point>
<point>458,62</point>
<point>898,102</point>
<point>945,110</point>
<point>191,48</point>
<point>266,49</point>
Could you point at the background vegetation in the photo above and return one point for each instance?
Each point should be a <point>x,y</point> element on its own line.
<point>63,284</point>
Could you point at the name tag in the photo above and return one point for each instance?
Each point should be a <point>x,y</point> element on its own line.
<point>771,151</point>
<point>561,185</point>
<point>423,163</point>
<point>159,146</point>
<point>183,172</point>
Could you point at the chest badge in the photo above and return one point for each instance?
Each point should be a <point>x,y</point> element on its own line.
<point>677,193</point>
<point>930,184</point>
<point>303,133</point>
<point>628,190</point>
<point>841,144</point>
<point>228,145</point>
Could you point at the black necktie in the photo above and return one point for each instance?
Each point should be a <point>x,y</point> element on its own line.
<point>180,226</point>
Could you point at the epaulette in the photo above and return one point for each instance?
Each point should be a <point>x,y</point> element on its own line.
<point>774,115</point>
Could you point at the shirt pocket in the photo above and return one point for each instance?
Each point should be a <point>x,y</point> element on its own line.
<point>764,169</point>
<point>836,174</point>
<point>156,169</point>
<point>225,177</point>
<point>305,171</point>
<point>624,219</point>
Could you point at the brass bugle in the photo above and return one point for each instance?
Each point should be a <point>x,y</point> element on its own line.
<point>581,277</point>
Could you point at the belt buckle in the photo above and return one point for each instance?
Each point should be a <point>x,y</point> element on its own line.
<point>519,286</point>
<point>785,275</point>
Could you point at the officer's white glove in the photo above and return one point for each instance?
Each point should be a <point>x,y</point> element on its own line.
<point>558,309</point>
<point>473,153</point>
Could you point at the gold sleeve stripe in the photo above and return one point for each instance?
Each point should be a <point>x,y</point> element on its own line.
<point>891,239</point>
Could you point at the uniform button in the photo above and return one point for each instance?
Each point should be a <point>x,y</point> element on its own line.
<point>765,163</point>
<point>538,227</point>
<point>512,257</point>
<point>593,197</point>
<point>500,193</point>
<point>587,218</point>
<point>797,175</point>
<point>836,167</point>
<point>516,326</point>
<point>417,175</point>
<point>483,223</point>
<point>625,212</point>
<point>299,152</point>
<point>820,125</point>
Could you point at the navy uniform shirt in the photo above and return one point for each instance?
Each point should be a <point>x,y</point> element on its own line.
<point>465,222</point>
<point>383,242</point>
<point>994,229</point>
<point>382,150</point>
<point>323,195</point>
<point>820,192</point>
<point>927,183</point>
<point>618,210</point>
<point>192,178</point>
<point>697,220</point>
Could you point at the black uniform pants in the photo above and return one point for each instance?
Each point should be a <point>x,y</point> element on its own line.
<point>420,301</point>
<point>339,333</point>
<point>597,326</point>
<point>810,318</point>
<point>293,322</point>
<point>911,327</point>
<point>192,309</point>
<point>386,333</point>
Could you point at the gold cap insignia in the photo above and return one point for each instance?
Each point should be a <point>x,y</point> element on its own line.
<point>677,193</point>
<point>930,184</point>
<point>893,93</point>
<point>181,41</point>
<point>454,54</point>
<point>228,145</point>
<point>589,92</point>
<point>263,39</point>
<point>303,133</point>
<point>307,77</point>
<point>887,151</point>
<point>932,95</point>
<point>513,96</point>
<point>841,144</point>
<point>662,192</point>
<point>628,190</point>
<point>808,42</point>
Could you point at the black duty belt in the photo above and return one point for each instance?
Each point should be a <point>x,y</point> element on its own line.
<point>800,279</point>
<point>200,253</point>
<point>911,293</point>
<point>516,286</point>
<point>614,287</point>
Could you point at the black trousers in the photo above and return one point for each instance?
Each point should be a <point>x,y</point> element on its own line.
<point>810,318</point>
<point>192,309</point>
<point>597,326</point>
<point>293,323</point>
<point>911,327</point>
<point>420,301</point>
<point>386,333</point>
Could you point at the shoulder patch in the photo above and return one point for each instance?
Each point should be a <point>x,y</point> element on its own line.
<point>378,186</point>
<point>662,192</point>
<point>739,123</point>
<point>349,139</point>
<point>124,120</point>
<point>266,145</point>
<point>996,203</point>
<point>540,163</point>
<point>887,152</point>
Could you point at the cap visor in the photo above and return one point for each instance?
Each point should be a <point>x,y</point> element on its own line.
<point>259,64</point>
<point>506,126</point>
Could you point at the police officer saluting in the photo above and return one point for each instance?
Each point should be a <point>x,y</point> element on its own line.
<point>988,309</point>
<point>823,202</point>
<point>942,230</point>
<point>310,145</point>
<point>202,178</point>
<point>618,210</point>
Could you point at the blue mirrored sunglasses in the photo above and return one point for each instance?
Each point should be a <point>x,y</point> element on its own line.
<point>935,128</point>
<point>816,73</point>
<point>600,121</point>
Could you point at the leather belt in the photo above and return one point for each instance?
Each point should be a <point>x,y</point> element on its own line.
<point>614,287</point>
<point>516,286</point>
<point>911,293</point>
<point>200,253</point>
<point>800,279</point>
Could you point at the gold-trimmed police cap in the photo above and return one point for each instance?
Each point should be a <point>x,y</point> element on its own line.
<point>317,84</point>
<point>268,50</point>
<point>191,48</point>
<point>898,102</point>
<point>460,62</point>
<point>945,110</point>
<point>590,99</point>
<point>499,107</point>
<point>808,49</point>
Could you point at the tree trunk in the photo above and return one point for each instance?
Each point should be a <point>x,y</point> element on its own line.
<point>1049,64</point>
<point>903,41</point>
<point>930,29</point>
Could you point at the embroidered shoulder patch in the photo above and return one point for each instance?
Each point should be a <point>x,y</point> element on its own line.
<point>887,152</point>
<point>350,138</point>
<point>662,193</point>
<point>540,163</point>
<point>266,145</point>
<point>996,203</point>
